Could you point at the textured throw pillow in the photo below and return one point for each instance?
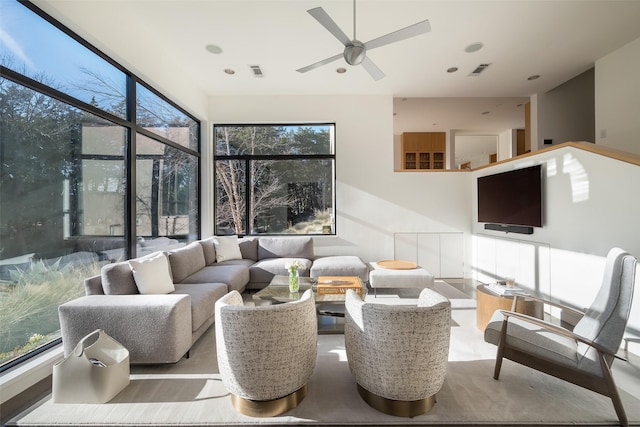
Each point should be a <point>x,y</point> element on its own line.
<point>152,275</point>
<point>118,280</point>
<point>227,247</point>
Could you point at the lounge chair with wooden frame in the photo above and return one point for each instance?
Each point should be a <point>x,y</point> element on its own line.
<point>582,356</point>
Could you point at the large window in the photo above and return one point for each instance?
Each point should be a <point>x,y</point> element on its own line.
<point>275,179</point>
<point>167,191</point>
<point>89,173</point>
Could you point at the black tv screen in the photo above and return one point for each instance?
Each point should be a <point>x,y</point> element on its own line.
<point>511,198</point>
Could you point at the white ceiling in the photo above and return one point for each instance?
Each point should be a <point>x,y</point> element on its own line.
<point>554,39</point>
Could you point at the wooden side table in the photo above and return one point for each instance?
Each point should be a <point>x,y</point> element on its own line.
<point>487,303</point>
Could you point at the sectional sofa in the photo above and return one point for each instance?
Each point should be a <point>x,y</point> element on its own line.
<point>158,305</point>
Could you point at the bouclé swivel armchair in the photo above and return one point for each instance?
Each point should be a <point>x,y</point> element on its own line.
<point>266,354</point>
<point>398,354</point>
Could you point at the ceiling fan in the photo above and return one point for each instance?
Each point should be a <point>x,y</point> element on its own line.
<point>355,52</point>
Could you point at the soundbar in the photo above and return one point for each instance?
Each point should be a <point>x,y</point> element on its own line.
<point>509,228</point>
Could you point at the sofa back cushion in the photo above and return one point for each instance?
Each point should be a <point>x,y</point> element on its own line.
<point>93,285</point>
<point>117,279</point>
<point>186,261</point>
<point>249,248</point>
<point>209,250</point>
<point>285,247</point>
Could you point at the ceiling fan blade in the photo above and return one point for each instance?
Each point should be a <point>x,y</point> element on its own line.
<point>396,36</point>
<point>325,20</point>
<point>372,69</point>
<point>319,63</point>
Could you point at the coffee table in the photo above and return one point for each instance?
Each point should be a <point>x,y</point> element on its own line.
<point>330,307</point>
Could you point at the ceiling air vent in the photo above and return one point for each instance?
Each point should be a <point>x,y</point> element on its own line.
<point>257,72</point>
<point>479,69</point>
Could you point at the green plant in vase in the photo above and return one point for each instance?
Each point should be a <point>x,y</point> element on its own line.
<point>294,275</point>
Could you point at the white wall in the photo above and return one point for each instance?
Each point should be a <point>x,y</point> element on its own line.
<point>566,113</point>
<point>617,93</point>
<point>373,202</point>
<point>589,207</point>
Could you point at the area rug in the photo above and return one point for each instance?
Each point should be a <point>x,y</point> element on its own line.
<point>190,393</point>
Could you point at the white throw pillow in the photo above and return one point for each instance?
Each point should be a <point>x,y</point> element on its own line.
<point>227,247</point>
<point>151,274</point>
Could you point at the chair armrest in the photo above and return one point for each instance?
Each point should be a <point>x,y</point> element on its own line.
<point>554,328</point>
<point>548,302</point>
<point>154,328</point>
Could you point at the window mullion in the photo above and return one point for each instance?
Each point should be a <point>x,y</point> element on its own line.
<point>248,198</point>
<point>130,164</point>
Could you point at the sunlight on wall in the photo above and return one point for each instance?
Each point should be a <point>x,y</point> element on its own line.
<point>552,168</point>
<point>578,177</point>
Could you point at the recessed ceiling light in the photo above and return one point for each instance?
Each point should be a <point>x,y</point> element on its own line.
<point>452,69</point>
<point>212,48</point>
<point>229,71</point>
<point>473,47</point>
<point>534,77</point>
<point>341,70</point>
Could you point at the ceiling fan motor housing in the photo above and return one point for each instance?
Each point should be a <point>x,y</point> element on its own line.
<point>354,52</point>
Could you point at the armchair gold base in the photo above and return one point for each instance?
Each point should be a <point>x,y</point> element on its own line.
<point>397,408</point>
<point>268,408</point>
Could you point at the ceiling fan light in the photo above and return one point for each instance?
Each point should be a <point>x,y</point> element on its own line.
<point>354,53</point>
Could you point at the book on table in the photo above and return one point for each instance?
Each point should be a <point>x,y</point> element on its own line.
<point>338,284</point>
<point>505,290</point>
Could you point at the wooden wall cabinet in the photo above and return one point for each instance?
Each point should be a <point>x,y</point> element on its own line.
<point>423,150</point>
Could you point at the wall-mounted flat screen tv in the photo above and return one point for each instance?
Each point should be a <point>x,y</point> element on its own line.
<point>511,198</point>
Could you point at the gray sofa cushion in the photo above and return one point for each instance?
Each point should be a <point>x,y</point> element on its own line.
<point>235,276</point>
<point>285,247</point>
<point>264,270</point>
<point>93,285</point>
<point>249,248</point>
<point>345,265</point>
<point>186,261</point>
<point>244,262</point>
<point>209,250</point>
<point>117,279</point>
<point>203,300</point>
